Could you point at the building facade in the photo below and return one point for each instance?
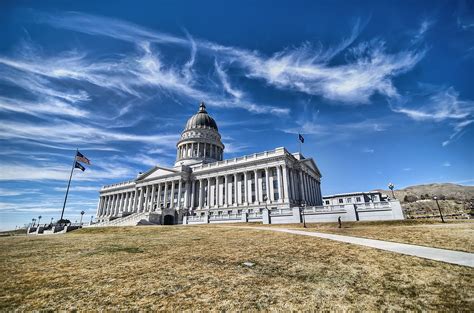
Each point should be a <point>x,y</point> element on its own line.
<point>354,198</point>
<point>203,184</point>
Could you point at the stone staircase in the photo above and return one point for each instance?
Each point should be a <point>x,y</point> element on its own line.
<point>129,220</point>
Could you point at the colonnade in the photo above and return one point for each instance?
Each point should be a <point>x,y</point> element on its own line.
<point>199,150</point>
<point>261,186</point>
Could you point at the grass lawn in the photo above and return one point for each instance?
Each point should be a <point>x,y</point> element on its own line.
<point>201,268</point>
<point>454,235</point>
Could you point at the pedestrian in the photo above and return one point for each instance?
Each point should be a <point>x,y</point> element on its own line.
<point>339,221</point>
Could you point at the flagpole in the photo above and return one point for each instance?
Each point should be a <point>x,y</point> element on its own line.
<point>68,184</point>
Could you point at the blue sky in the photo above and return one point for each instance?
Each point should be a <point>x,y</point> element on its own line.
<point>381,90</point>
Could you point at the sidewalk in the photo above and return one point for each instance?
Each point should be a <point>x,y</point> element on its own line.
<point>443,255</point>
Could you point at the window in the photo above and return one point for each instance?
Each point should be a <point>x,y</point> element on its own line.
<point>349,200</point>
<point>327,201</point>
<point>358,199</point>
<point>341,200</point>
<point>229,212</point>
<point>239,211</point>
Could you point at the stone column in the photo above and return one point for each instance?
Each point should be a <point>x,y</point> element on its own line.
<point>127,201</point>
<point>152,199</point>
<point>172,194</point>
<point>236,201</point>
<point>245,189</point>
<point>119,203</point>
<point>218,192</point>
<point>208,204</point>
<point>267,183</point>
<point>315,194</point>
<point>104,206</point>
<point>130,203</point>
<point>140,200</point>
<point>301,185</point>
<point>109,205</point>
<point>112,205</point>
<point>179,193</point>
<point>225,193</point>
<point>158,197</point>
<point>146,201</point>
<point>279,184</point>
<point>165,195</point>
<point>134,201</point>
<point>200,192</point>
<point>187,190</point>
<point>192,188</point>
<point>97,214</point>
<point>255,174</point>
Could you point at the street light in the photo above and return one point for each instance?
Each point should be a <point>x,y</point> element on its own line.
<point>391,186</point>
<point>439,209</point>
<point>302,208</point>
<point>33,220</point>
<point>39,218</point>
<point>82,213</point>
<point>52,220</point>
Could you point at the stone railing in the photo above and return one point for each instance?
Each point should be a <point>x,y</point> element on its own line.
<point>250,157</point>
<point>126,183</point>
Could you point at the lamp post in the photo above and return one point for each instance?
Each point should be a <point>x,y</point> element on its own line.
<point>302,208</point>
<point>39,219</point>
<point>391,186</point>
<point>439,209</point>
<point>92,217</point>
<point>33,220</point>
<point>82,213</point>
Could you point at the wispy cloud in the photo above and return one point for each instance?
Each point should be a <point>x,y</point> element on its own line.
<point>15,171</point>
<point>440,106</point>
<point>425,25</point>
<point>77,133</point>
<point>369,68</point>
<point>447,164</point>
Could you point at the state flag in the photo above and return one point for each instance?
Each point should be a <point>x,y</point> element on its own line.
<point>301,138</point>
<point>81,158</point>
<point>79,166</point>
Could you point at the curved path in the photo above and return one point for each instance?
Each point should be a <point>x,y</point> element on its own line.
<point>443,255</point>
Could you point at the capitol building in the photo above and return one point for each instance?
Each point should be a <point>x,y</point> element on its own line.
<point>203,187</point>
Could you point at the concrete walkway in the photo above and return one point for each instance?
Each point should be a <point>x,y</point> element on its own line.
<point>448,256</point>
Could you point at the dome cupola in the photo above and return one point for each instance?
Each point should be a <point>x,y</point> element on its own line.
<point>200,140</point>
<point>201,119</point>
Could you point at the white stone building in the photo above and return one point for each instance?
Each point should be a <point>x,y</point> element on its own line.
<point>204,186</point>
<point>354,198</point>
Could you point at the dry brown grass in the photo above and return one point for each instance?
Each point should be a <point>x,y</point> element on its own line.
<point>200,268</point>
<point>454,235</point>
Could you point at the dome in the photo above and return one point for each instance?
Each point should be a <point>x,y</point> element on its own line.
<point>201,120</point>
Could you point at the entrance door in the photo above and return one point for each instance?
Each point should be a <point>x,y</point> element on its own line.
<point>168,220</point>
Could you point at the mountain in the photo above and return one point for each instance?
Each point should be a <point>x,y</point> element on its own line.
<point>446,190</point>
<point>417,201</point>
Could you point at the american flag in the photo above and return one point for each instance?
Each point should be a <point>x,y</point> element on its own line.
<point>81,158</point>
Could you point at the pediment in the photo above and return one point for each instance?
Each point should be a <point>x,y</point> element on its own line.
<point>311,164</point>
<point>156,172</point>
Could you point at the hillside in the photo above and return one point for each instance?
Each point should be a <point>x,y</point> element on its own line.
<point>455,200</point>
